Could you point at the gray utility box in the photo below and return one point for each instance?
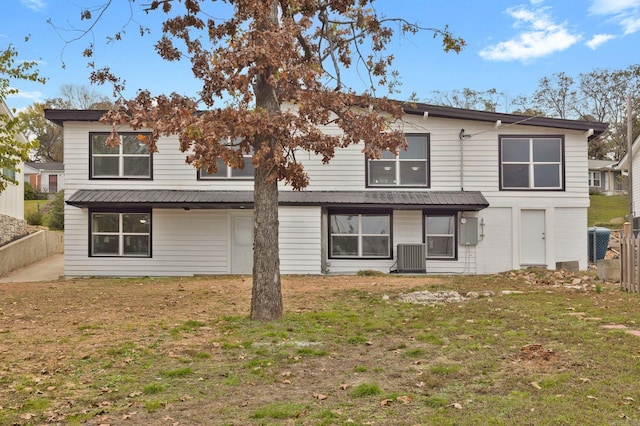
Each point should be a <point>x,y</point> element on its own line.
<point>468,231</point>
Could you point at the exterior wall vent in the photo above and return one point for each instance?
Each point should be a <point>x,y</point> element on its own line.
<point>412,258</point>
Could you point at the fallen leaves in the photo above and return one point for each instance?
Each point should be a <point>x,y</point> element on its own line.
<point>404,399</point>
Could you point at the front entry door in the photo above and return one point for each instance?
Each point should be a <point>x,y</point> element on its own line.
<point>241,242</point>
<point>532,238</point>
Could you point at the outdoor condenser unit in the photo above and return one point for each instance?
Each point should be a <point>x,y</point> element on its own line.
<point>412,258</point>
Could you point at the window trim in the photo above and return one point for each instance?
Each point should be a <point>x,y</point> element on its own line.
<point>456,233</point>
<point>229,170</point>
<point>563,179</point>
<point>397,161</point>
<point>592,179</point>
<point>120,157</point>
<point>360,212</point>
<point>120,234</point>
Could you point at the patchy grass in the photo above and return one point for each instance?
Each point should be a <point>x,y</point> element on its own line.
<point>141,351</point>
<point>608,211</point>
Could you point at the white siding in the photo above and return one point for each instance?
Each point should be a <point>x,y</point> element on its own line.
<point>196,241</point>
<point>12,198</point>
<point>300,240</point>
<point>408,229</point>
<point>184,243</point>
<point>570,240</point>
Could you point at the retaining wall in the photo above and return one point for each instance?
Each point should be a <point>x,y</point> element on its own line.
<point>29,249</point>
<point>11,227</point>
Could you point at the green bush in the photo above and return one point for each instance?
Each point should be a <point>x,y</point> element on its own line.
<point>29,192</point>
<point>35,217</point>
<point>56,212</point>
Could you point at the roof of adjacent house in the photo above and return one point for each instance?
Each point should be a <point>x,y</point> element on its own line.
<point>49,167</point>
<point>198,199</point>
<point>60,116</point>
<point>602,164</point>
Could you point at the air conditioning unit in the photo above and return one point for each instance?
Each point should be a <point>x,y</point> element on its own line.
<point>412,258</point>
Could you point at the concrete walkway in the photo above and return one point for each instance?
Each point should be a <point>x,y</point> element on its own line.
<point>48,269</point>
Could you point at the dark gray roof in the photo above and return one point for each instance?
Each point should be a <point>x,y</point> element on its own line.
<point>166,198</point>
<point>45,166</point>
<point>59,116</point>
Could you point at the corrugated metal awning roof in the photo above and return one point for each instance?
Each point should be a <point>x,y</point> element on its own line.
<point>195,199</point>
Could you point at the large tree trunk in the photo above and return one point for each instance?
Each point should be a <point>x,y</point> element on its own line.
<point>266,294</point>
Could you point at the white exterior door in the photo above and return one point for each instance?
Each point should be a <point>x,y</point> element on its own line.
<point>532,237</point>
<point>241,242</point>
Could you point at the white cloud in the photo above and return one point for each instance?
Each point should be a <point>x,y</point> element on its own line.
<point>610,7</point>
<point>36,5</point>
<point>540,36</point>
<point>625,13</point>
<point>31,95</point>
<point>598,40</point>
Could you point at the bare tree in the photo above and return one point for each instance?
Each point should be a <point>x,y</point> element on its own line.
<point>48,135</point>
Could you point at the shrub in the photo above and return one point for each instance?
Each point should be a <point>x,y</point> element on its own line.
<point>56,212</point>
<point>35,217</point>
<point>29,192</point>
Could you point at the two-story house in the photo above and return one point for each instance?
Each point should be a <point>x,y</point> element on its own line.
<point>475,192</point>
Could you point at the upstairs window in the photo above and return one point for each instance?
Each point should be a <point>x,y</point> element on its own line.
<point>129,160</point>
<point>227,172</point>
<point>531,163</point>
<point>9,173</point>
<point>408,168</point>
<point>360,235</point>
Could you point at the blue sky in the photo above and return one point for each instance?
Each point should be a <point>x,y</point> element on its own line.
<point>511,44</point>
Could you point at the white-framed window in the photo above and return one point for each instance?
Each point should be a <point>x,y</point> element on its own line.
<point>228,172</point>
<point>234,171</point>
<point>9,173</point>
<point>126,234</point>
<point>408,168</point>
<point>131,159</point>
<point>360,235</point>
<point>440,236</point>
<point>531,162</point>
<point>595,179</point>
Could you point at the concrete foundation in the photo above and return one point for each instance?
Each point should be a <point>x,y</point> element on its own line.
<point>609,269</point>
<point>569,266</point>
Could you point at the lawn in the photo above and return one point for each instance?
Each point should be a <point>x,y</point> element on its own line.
<point>532,349</point>
<point>608,211</point>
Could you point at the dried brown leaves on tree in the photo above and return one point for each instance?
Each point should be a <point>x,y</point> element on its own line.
<point>300,57</point>
<point>272,75</point>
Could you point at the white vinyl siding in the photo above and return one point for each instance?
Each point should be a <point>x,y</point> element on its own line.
<point>200,243</point>
<point>300,240</point>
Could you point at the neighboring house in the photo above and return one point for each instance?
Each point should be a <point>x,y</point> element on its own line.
<point>475,192</point>
<point>47,178</point>
<point>12,223</point>
<point>623,165</point>
<point>606,178</point>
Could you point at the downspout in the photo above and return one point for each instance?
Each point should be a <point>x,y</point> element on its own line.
<point>630,155</point>
<point>461,136</point>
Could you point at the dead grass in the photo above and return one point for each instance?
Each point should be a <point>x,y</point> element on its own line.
<point>182,352</point>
